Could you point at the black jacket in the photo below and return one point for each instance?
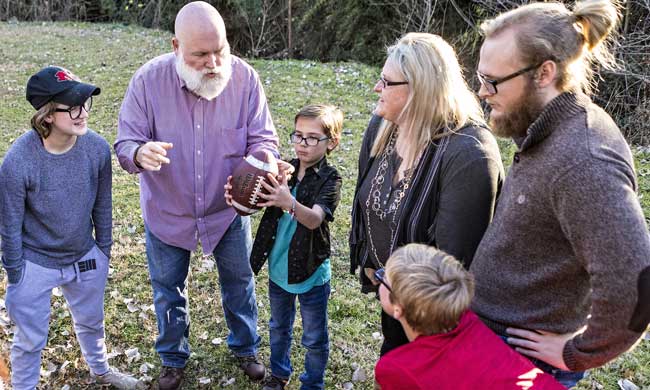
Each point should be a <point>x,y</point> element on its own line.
<point>309,248</point>
<point>449,207</point>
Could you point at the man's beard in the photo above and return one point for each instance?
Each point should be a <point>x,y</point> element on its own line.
<point>197,82</point>
<point>514,123</point>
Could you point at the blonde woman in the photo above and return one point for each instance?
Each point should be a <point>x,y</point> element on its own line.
<point>429,169</point>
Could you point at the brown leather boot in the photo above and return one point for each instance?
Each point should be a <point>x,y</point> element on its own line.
<point>170,378</point>
<point>252,367</point>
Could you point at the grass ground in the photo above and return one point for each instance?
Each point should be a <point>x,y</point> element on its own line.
<point>108,55</point>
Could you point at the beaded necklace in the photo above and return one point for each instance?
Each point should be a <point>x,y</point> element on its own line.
<point>374,195</point>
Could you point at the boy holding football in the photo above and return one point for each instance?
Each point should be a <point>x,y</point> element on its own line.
<point>294,236</point>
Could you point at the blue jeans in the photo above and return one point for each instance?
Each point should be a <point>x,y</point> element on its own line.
<point>568,379</point>
<point>313,308</point>
<point>168,269</point>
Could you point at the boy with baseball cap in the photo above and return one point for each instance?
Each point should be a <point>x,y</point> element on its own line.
<point>56,220</point>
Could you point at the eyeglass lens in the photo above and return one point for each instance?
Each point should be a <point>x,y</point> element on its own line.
<point>75,112</point>
<point>309,141</point>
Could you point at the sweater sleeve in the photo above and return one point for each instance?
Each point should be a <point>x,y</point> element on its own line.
<point>13,193</point>
<point>102,209</point>
<point>600,214</point>
<point>469,184</point>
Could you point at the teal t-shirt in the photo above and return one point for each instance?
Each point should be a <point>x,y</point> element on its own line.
<point>279,259</point>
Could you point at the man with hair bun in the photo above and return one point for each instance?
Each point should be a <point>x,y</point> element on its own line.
<point>563,271</point>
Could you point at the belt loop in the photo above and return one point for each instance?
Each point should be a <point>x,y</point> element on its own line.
<point>77,273</point>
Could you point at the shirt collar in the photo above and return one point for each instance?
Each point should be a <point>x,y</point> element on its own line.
<point>316,168</point>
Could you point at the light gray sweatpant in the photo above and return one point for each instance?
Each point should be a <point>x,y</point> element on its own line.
<point>28,306</point>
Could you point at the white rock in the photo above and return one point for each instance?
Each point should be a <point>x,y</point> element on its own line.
<point>132,355</point>
<point>204,336</point>
<point>145,367</point>
<point>66,387</point>
<point>113,353</point>
<point>625,384</point>
<point>204,381</point>
<point>359,375</point>
<point>376,335</point>
<point>217,341</point>
<point>348,386</point>
<point>56,291</point>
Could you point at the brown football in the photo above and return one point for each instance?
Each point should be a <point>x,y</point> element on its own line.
<point>247,181</point>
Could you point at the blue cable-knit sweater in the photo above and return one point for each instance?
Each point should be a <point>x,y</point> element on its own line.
<point>51,203</point>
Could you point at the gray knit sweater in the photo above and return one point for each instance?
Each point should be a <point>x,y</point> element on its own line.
<point>50,204</point>
<point>569,238</point>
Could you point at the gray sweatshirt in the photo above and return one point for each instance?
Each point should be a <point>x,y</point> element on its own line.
<point>569,239</point>
<point>50,204</point>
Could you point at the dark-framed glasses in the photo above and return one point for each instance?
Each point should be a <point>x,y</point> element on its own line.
<point>309,141</point>
<point>386,83</point>
<point>491,84</point>
<point>75,112</point>
<point>380,275</point>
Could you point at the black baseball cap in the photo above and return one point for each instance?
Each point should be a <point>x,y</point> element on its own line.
<point>59,85</point>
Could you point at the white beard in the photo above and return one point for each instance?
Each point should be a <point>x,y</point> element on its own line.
<point>195,80</point>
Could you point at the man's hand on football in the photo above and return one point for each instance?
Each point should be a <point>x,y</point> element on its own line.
<point>279,194</point>
<point>227,187</point>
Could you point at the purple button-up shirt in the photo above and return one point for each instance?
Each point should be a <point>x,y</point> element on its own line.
<point>184,202</point>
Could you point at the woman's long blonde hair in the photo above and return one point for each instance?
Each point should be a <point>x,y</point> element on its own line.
<point>439,102</point>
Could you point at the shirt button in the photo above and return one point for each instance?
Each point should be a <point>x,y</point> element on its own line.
<point>200,219</point>
<point>199,198</point>
<point>198,152</point>
<point>198,126</point>
<point>199,176</point>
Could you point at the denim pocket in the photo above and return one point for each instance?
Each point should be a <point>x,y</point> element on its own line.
<point>92,265</point>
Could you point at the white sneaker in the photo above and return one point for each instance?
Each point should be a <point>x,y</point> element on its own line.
<point>120,381</point>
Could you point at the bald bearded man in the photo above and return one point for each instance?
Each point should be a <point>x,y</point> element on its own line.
<point>187,119</point>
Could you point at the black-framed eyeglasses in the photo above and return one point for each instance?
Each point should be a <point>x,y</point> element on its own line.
<point>385,83</point>
<point>380,275</point>
<point>491,84</point>
<point>75,112</point>
<point>309,141</point>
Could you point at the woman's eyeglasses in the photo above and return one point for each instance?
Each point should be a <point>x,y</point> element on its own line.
<point>75,112</point>
<point>385,83</point>
<point>309,141</point>
<point>380,276</point>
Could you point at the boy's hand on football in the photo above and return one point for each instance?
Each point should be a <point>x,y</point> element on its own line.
<point>279,193</point>
<point>286,169</point>
<point>227,187</point>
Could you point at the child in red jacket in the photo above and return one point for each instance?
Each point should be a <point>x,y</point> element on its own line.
<point>429,293</point>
